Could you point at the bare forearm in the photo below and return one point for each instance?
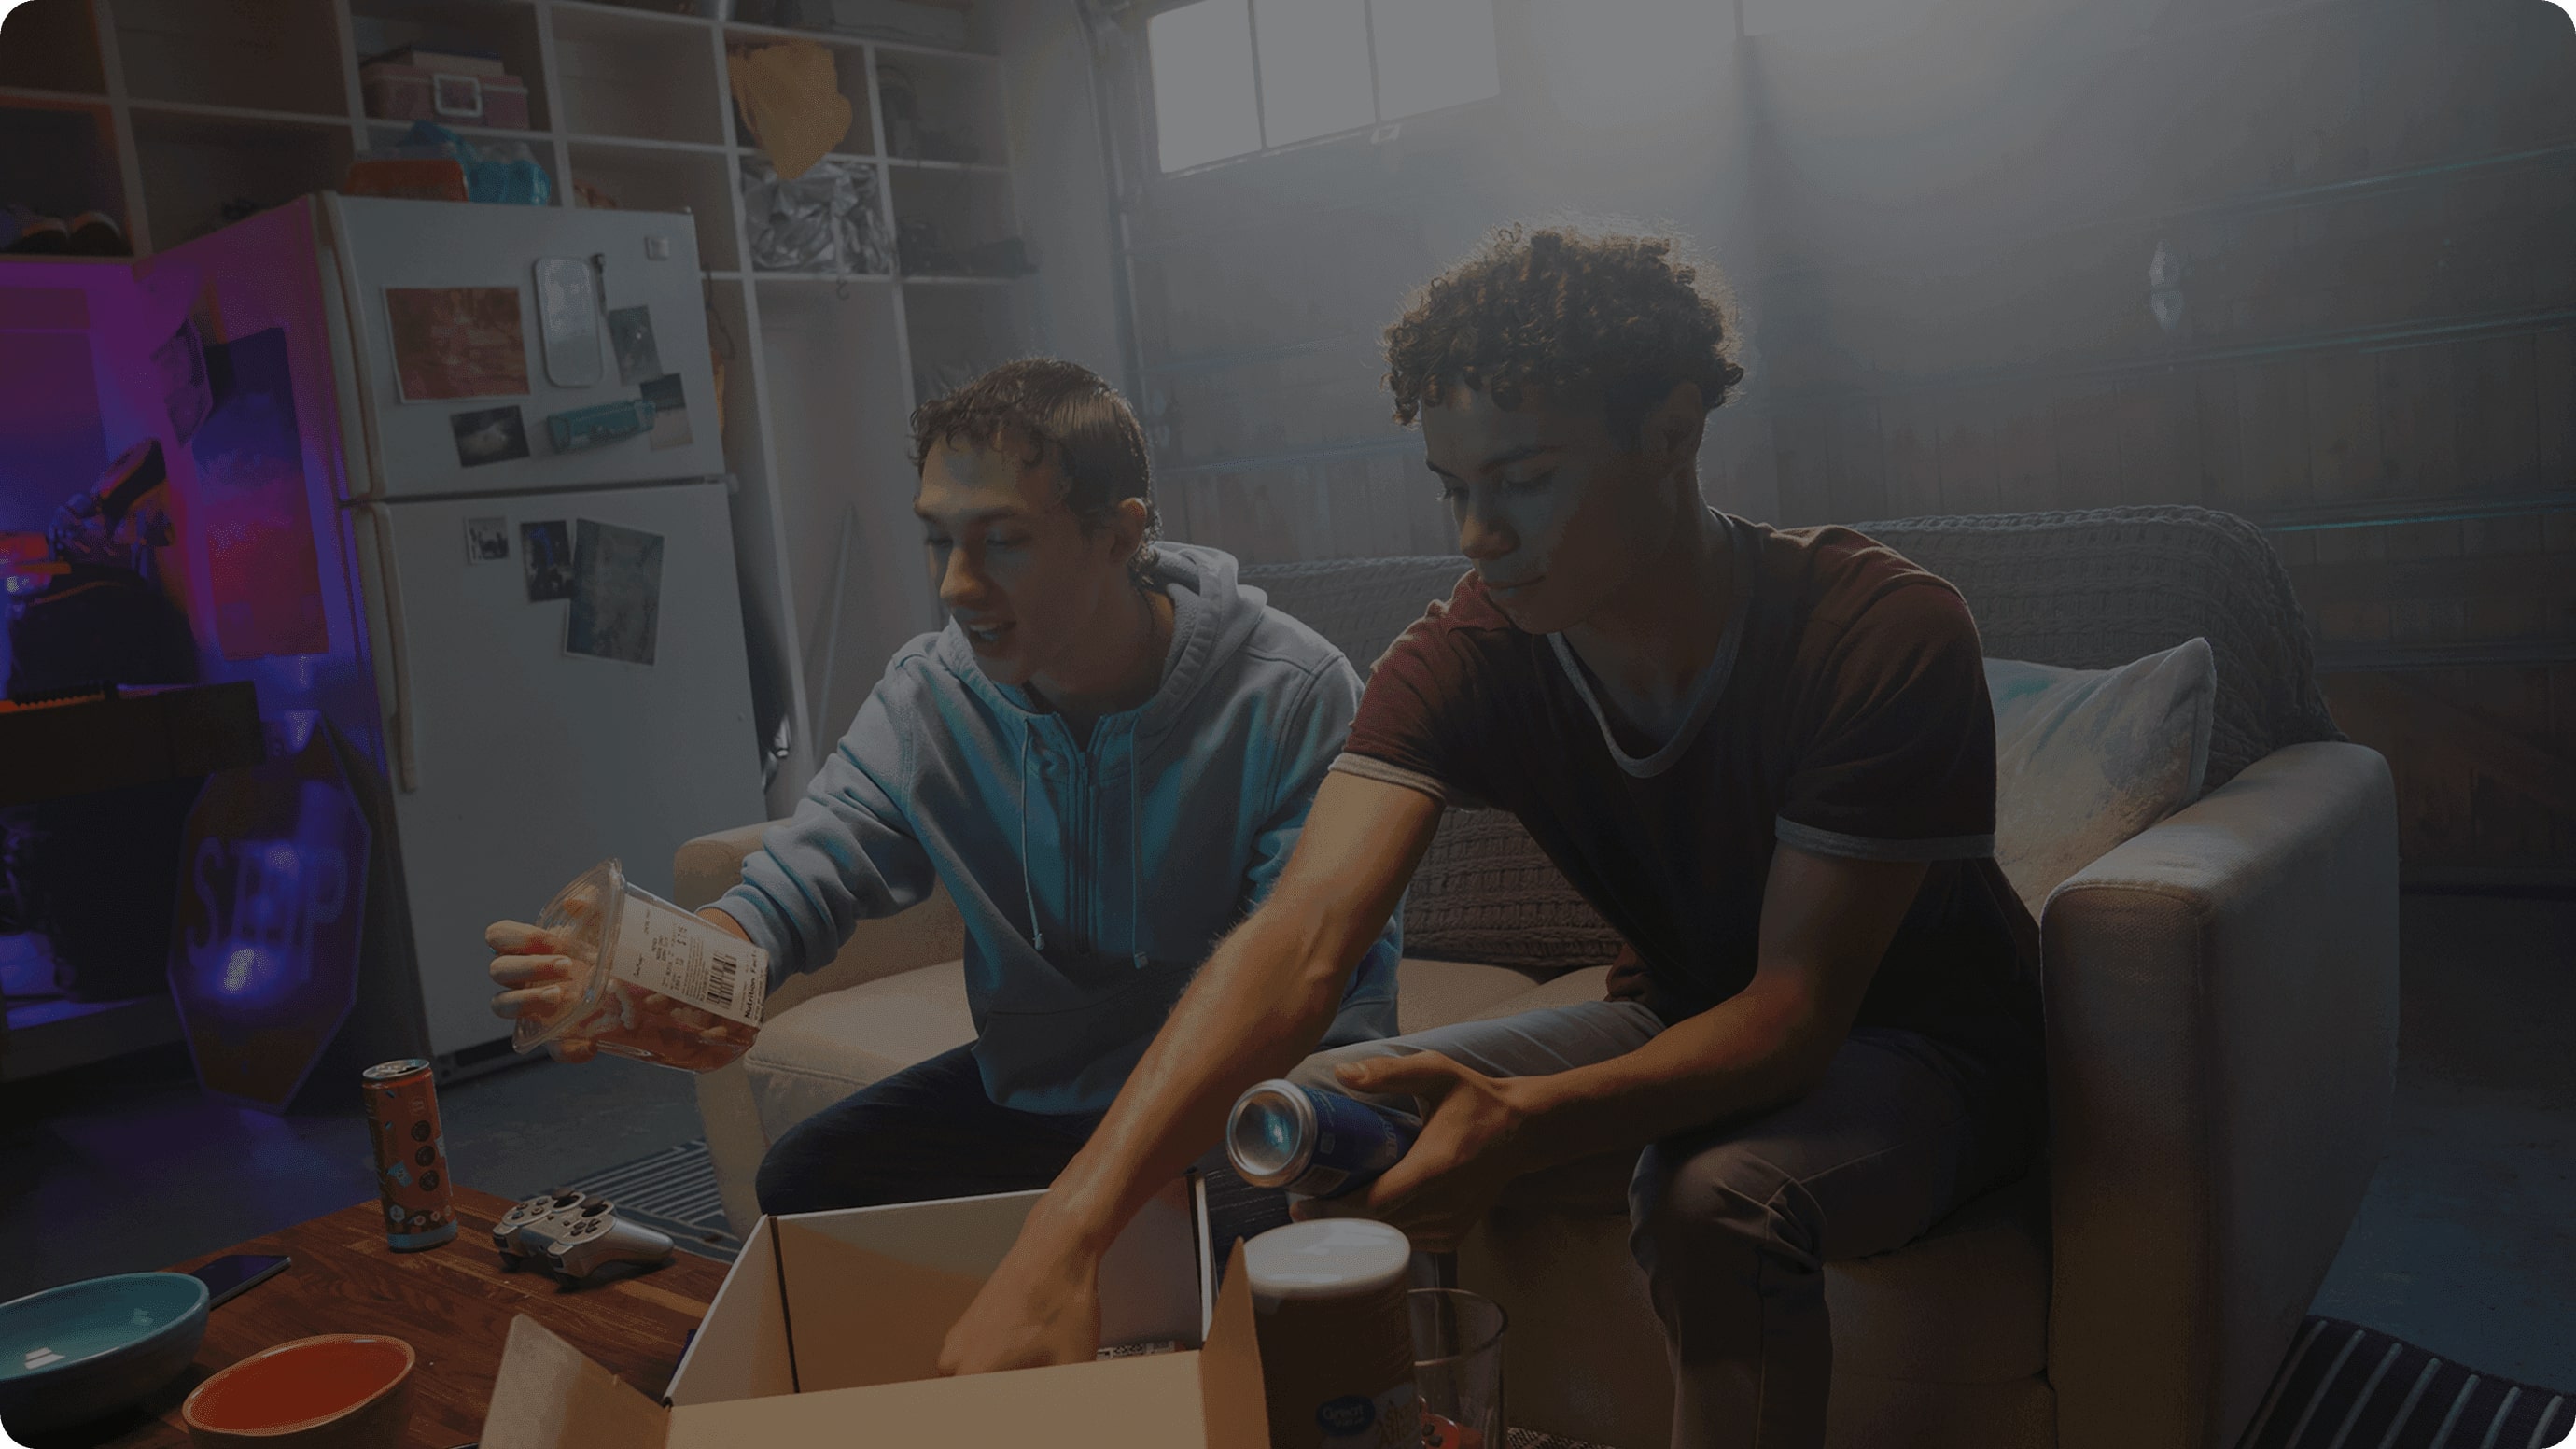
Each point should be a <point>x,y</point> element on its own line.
<point>1257,1008</point>
<point>1746,1055</point>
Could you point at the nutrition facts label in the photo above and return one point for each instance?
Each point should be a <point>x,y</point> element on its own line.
<point>684,958</point>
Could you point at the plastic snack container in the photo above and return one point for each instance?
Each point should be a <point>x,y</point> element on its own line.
<point>628,945</point>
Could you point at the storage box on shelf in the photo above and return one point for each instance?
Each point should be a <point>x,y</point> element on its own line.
<point>451,89</point>
<point>482,38</point>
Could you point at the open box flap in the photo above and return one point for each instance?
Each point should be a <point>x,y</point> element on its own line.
<point>1133,1403</point>
<point>550,1396</point>
<point>1232,1397</point>
<point>741,1349</point>
<point>863,1316</point>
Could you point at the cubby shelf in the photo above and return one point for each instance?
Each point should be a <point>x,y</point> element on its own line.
<point>649,143</point>
<point>41,96</point>
<point>181,107</point>
<point>212,112</point>
<point>387,132</point>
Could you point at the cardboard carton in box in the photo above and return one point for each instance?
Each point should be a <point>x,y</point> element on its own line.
<point>828,1331</point>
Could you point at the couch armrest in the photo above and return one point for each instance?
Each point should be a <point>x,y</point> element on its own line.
<point>924,935</point>
<point>2222,1038</point>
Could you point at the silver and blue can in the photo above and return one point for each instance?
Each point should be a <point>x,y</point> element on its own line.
<point>1314,1144</point>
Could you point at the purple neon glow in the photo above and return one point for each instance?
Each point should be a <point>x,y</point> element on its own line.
<point>263,899</point>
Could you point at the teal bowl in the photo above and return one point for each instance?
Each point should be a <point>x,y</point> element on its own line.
<point>71,1354</point>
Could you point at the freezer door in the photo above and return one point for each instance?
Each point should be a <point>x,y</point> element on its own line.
<point>447,337</point>
<point>518,764</point>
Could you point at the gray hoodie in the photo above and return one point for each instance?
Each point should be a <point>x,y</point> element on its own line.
<point>1093,881</point>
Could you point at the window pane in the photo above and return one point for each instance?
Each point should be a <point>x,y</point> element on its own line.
<point>1434,53</point>
<point>1314,68</point>
<point>1203,98</point>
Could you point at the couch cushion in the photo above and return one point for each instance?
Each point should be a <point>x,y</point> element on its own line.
<point>1437,993</point>
<point>1584,983</point>
<point>2086,758</point>
<point>822,1050</point>
<point>1965,1303</point>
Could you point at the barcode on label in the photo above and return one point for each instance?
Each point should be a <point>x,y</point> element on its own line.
<point>720,979</point>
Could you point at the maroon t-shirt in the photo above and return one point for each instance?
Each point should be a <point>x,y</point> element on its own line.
<point>1845,713</point>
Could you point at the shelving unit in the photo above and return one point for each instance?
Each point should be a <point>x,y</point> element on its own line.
<point>163,113</point>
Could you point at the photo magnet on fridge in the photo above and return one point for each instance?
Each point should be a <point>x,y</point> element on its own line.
<point>488,435</point>
<point>545,549</point>
<point>630,331</point>
<point>616,592</point>
<point>487,540</point>
<point>670,412</point>
<point>457,342</point>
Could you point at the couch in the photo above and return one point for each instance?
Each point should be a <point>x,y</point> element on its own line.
<point>2220,998</point>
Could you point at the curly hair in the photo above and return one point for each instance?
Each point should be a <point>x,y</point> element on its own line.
<point>1049,408</point>
<point>1564,309</point>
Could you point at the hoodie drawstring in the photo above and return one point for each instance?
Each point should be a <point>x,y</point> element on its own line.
<point>1028,893</point>
<point>1135,852</point>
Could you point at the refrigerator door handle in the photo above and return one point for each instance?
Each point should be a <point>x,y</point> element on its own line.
<point>379,535</point>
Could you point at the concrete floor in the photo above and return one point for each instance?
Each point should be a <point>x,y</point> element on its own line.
<point>2466,1244</point>
<point>125,1166</point>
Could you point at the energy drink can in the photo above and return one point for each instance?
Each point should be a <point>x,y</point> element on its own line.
<point>411,1155</point>
<point>1314,1144</point>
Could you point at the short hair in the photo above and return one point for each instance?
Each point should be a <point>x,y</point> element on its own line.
<point>1052,409</point>
<point>1565,309</point>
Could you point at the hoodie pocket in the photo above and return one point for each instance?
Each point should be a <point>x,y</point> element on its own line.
<point>1074,1057</point>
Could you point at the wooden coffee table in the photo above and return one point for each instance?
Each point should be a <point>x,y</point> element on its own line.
<point>452,1304</point>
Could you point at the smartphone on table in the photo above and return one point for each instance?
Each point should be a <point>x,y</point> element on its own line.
<point>226,1277</point>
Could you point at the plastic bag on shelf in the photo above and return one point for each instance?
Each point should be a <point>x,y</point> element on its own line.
<point>827,220</point>
<point>504,172</point>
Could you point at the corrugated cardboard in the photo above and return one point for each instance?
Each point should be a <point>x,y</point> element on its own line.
<point>828,1331</point>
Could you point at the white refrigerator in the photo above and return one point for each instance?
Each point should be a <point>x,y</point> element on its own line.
<point>536,714</point>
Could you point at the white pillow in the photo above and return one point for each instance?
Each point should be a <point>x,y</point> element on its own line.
<point>2086,758</point>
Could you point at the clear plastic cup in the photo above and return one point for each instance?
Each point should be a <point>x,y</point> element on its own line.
<point>649,980</point>
<point>1458,1368</point>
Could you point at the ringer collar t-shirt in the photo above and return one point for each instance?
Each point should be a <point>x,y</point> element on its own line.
<point>1844,713</point>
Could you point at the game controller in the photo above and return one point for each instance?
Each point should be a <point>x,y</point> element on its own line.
<point>575,1234</point>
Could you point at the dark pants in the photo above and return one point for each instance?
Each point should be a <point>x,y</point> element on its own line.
<point>925,1133</point>
<point>1733,1223</point>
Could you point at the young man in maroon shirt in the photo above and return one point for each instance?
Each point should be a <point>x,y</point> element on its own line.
<point>1767,757</point>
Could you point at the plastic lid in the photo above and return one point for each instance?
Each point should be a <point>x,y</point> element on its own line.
<point>582,916</point>
<point>1328,1258</point>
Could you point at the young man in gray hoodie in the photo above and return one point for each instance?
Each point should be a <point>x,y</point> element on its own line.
<point>1106,757</point>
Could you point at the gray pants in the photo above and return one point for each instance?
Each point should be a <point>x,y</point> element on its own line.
<point>1732,1223</point>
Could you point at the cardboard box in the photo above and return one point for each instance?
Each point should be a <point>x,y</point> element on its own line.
<point>828,1331</point>
<point>410,93</point>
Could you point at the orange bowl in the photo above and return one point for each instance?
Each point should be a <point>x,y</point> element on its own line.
<point>338,1391</point>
